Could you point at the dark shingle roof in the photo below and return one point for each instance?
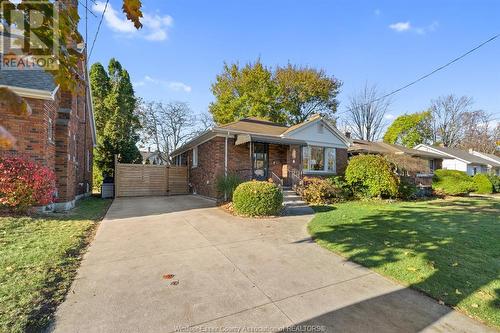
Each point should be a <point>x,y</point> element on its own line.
<point>30,79</point>
<point>256,126</point>
<point>464,155</point>
<point>362,146</point>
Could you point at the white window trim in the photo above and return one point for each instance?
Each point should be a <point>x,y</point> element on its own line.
<point>195,157</point>
<point>325,162</point>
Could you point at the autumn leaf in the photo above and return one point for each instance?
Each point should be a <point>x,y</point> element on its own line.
<point>168,276</point>
<point>132,8</point>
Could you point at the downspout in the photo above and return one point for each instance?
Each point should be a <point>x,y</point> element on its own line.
<point>225,163</point>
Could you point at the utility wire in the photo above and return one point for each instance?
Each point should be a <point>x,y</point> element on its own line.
<point>98,28</point>
<point>423,77</point>
<point>87,8</point>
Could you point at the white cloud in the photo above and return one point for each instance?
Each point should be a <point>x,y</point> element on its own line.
<point>170,85</point>
<point>406,26</point>
<point>389,116</point>
<point>400,26</point>
<point>155,27</point>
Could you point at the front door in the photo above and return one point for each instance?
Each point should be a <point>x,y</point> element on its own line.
<point>260,161</point>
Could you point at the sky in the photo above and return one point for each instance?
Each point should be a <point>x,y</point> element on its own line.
<point>184,44</point>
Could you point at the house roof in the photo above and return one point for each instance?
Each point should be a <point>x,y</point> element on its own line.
<point>463,155</point>
<point>486,156</point>
<point>28,79</point>
<point>363,146</point>
<point>256,126</point>
<point>254,129</point>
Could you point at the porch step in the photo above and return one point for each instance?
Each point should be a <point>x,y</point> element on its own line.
<point>293,203</point>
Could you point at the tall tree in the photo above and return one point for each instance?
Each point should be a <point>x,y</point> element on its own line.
<point>477,132</point>
<point>286,95</point>
<point>303,91</point>
<point>365,114</point>
<point>247,91</point>
<point>448,114</point>
<point>167,126</point>
<point>410,129</point>
<point>116,119</point>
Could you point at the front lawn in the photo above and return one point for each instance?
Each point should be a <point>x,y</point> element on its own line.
<point>449,249</point>
<point>38,261</point>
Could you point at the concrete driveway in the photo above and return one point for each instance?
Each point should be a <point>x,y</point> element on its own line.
<point>229,273</point>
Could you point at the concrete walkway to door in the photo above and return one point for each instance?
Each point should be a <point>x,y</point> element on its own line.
<point>230,272</point>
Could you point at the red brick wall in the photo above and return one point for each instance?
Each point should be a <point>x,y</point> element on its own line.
<point>342,160</point>
<point>32,132</point>
<point>66,153</point>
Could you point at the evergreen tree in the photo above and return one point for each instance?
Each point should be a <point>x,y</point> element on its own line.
<point>117,124</point>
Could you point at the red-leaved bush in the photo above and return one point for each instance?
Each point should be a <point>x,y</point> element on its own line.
<point>25,183</point>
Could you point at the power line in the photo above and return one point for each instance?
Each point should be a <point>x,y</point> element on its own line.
<point>423,77</point>
<point>87,8</point>
<point>98,28</point>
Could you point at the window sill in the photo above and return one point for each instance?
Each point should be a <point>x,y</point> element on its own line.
<point>194,166</point>
<point>319,172</point>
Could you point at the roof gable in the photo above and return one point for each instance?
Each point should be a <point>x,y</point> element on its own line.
<point>317,131</point>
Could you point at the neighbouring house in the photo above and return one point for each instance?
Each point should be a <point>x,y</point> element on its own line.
<point>491,158</point>
<point>153,157</point>
<point>457,159</point>
<point>421,163</point>
<point>262,150</point>
<point>59,133</point>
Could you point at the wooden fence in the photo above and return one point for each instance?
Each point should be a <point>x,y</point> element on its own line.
<point>133,180</point>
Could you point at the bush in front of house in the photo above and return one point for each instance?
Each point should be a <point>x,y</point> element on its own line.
<point>226,184</point>
<point>452,182</point>
<point>322,191</point>
<point>25,183</point>
<point>495,182</point>
<point>372,176</point>
<point>407,190</point>
<point>483,184</point>
<point>257,198</point>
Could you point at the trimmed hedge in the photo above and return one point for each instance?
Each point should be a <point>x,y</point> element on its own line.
<point>495,181</point>
<point>452,182</point>
<point>257,198</point>
<point>483,184</point>
<point>372,175</point>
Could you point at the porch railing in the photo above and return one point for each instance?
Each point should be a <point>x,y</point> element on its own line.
<point>294,176</point>
<point>276,179</point>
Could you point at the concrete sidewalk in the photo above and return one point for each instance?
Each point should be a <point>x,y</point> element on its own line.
<point>229,273</point>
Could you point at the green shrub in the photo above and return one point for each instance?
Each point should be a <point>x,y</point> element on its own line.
<point>407,190</point>
<point>318,191</point>
<point>226,184</point>
<point>495,181</point>
<point>372,176</point>
<point>256,198</point>
<point>483,184</point>
<point>452,182</point>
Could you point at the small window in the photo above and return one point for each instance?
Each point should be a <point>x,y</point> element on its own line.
<point>330,159</point>
<point>305,158</point>
<point>432,165</point>
<point>195,157</point>
<point>50,131</point>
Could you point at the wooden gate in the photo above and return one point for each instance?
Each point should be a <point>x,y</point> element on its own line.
<point>133,180</point>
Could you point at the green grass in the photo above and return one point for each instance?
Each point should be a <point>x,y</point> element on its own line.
<point>449,249</point>
<point>38,260</point>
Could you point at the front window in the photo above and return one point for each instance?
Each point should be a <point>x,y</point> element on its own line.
<point>320,159</point>
<point>432,165</point>
<point>317,158</point>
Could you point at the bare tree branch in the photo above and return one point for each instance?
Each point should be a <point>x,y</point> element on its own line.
<point>365,117</point>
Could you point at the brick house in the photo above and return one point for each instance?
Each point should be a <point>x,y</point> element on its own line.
<point>59,133</point>
<point>262,150</point>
